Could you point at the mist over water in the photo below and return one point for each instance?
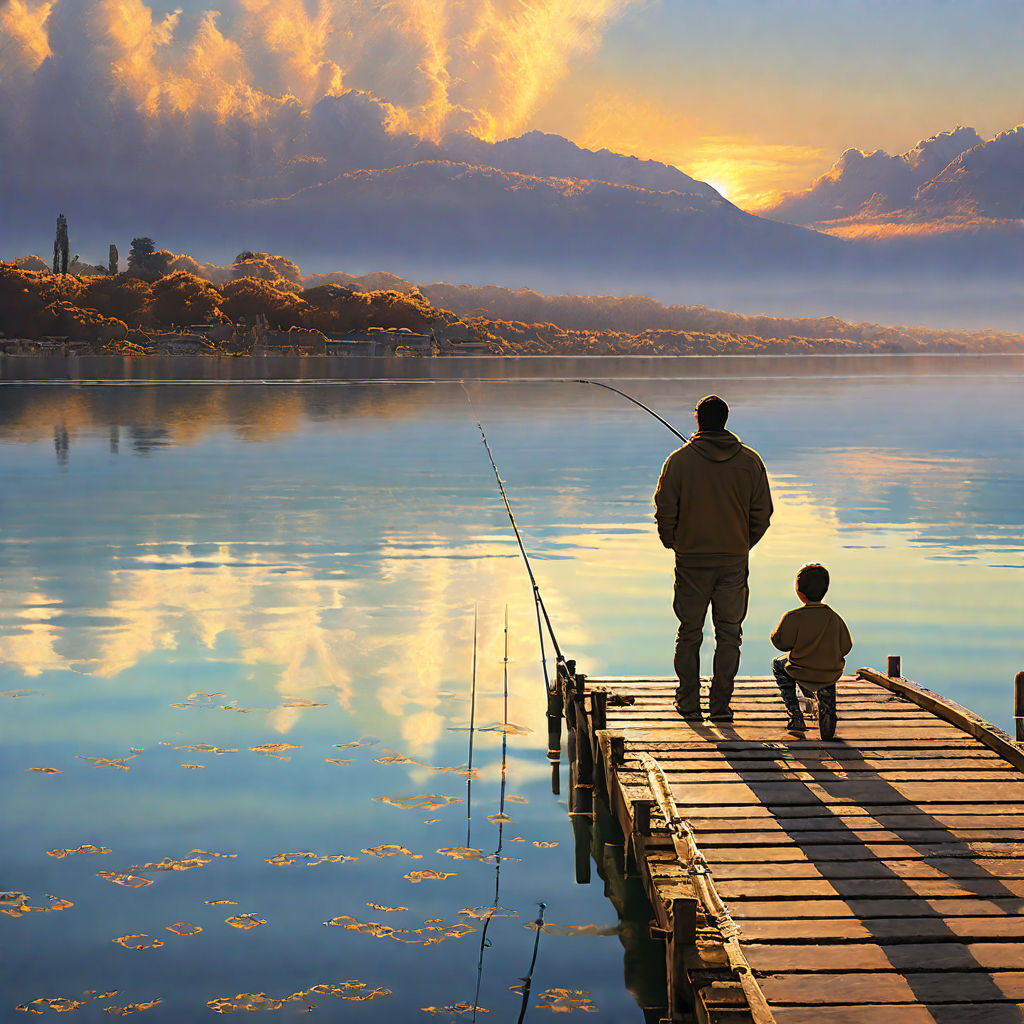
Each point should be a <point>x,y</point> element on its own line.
<point>189,572</point>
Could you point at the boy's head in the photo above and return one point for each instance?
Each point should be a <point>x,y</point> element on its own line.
<point>712,412</point>
<point>812,581</point>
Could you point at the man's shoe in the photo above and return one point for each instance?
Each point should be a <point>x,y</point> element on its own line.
<point>796,723</point>
<point>827,712</point>
<point>691,715</point>
<point>725,718</point>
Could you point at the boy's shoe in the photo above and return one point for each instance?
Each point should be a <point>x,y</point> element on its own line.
<point>796,723</point>
<point>827,712</point>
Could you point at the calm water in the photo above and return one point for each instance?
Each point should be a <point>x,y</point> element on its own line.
<point>188,572</point>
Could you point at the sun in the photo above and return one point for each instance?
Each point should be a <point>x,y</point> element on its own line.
<point>720,188</point>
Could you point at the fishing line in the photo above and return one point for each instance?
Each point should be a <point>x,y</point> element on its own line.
<point>630,398</point>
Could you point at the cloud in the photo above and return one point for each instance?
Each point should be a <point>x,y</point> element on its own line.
<point>23,26</point>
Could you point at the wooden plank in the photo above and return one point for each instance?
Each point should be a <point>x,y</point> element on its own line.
<point>892,987</point>
<point>854,957</point>
<point>993,859</point>
<point>949,1013</point>
<point>862,792</point>
<point>960,868</point>
<point>849,888</point>
<point>685,777</point>
<point>885,930</point>
<point>868,909</point>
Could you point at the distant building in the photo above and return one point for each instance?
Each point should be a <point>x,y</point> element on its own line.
<point>382,341</point>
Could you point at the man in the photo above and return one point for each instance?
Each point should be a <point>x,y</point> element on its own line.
<point>712,506</point>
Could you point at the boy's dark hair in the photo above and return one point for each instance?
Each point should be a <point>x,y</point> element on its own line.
<point>812,581</point>
<point>712,412</point>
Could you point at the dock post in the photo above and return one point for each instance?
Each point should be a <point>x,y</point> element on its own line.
<point>555,709</point>
<point>682,937</point>
<point>599,709</point>
<point>1018,704</point>
<point>892,667</point>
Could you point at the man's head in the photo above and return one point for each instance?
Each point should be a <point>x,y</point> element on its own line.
<point>812,581</point>
<point>712,412</point>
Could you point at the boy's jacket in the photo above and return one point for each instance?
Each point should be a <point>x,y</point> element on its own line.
<point>818,642</point>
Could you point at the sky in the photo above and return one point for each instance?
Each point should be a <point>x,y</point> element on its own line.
<point>758,97</point>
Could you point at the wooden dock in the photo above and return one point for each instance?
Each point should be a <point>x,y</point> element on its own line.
<point>876,878</point>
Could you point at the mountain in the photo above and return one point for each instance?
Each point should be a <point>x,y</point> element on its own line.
<point>465,220</point>
<point>873,182</point>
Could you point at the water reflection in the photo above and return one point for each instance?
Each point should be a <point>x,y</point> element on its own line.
<point>211,592</point>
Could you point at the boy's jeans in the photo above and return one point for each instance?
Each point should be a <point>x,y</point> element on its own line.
<point>787,687</point>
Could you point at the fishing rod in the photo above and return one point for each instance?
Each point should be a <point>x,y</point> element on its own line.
<point>630,398</point>
<point>537,599</point>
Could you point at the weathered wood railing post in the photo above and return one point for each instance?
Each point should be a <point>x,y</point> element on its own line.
<point>681,939</point>
<point>1018,704</point>
<point>893,668</point>
<point>641,815</point>
<point>583,796</point>
<point>556,707</point>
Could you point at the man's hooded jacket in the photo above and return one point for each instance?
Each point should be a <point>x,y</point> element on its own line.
<point>712,504</point>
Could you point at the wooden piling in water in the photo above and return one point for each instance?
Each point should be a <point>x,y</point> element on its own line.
<point>1018,704</point>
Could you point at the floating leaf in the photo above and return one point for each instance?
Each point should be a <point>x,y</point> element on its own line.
<point>541,845</point>
<point>461,853</point>
<point>457,769</point>
<point>132,881</point>
<point>183,928</point>
<point>363,741</point>
<point>419,876</point>
<point>300,702</point>
<point>15,904</point>
<point>431,821</point>
<point>566,1000</point>
<point>387,910</point>
<point>254,1001</point>
<point>499,817</point>
<point>45,771</point>
<point>192,766</point>
<point>128,941</point>
<point>516,800</point>
<point>455,1009</point>
<point>219,903</point>
<point>391,850</point>
<point>123,1011</point>
<point>509,728</point>
<point>87,848</point>
<point>483,913</point>
<point>274,749</point>
<point>59,1004</point>
<point>433,931</point>
<point>15,694</point>
<point>108,762</point>
<point>397,759</point>
<point>426,801</point>
<point>100,995</point>
<point>244,921</point>
<point>574,929</point>
<point>341,761</point>
<point>311,859</point>
<point>517,839</point>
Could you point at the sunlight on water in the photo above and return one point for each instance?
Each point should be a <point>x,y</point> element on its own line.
<point>236,636</point>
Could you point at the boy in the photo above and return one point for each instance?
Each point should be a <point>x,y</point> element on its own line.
<point>818,641</point>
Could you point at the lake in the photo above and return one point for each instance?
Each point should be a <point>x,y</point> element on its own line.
<point>237,653</point>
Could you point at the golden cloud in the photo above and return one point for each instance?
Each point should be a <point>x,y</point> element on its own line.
<point>23,28</point>
<point>436,65</point>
